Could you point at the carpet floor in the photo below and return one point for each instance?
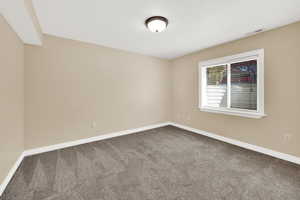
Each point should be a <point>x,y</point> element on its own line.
<point>160,164</point>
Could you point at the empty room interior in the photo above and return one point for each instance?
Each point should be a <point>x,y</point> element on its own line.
<point>149,100</point>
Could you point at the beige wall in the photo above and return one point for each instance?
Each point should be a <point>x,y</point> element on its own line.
<point>69,84</point>
<point>12,98</point>
<point>282,86</point>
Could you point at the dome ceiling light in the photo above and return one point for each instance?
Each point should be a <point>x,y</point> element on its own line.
<point>156,23</point>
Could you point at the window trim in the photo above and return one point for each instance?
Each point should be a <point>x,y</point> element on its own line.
<point>250,55</point>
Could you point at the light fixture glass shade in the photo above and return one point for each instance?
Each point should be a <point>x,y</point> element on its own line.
<point>156,24</point>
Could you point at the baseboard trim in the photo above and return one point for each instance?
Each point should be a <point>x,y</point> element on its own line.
<point>11,173</point>
<point>91,139</point>
<point>245,145</point>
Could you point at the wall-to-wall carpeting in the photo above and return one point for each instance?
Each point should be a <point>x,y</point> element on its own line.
<point>164,163</point>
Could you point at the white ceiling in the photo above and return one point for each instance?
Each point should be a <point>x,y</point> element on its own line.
<point>193,24</point>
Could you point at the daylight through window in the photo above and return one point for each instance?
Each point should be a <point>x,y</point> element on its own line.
<point>233,85</point>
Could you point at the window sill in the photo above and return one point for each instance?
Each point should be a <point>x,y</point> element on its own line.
<point>255,115</point>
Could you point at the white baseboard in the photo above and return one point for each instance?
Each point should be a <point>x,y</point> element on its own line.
<point>245,145</point>
<point>91,139</point>
<point>11,173</point>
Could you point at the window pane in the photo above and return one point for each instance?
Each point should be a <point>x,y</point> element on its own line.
<point>244,85</point>
<point>216,89</point>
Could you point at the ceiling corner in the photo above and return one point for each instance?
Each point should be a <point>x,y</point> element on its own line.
<point>20,15</point>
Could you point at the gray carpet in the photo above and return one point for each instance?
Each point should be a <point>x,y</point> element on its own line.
<point>161,164</point>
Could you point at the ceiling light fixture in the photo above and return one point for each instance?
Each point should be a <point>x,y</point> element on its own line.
<point>156,23</point>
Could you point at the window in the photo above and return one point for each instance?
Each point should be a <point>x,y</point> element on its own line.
<point>233,85</point>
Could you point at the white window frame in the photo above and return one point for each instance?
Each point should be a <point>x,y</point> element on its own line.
<point>256,54</point>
